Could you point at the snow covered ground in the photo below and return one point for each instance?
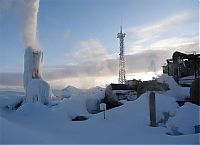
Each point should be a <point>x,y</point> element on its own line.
<point>126,124</point>
<point>8,98</point>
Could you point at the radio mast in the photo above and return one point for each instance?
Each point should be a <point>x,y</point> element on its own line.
<point>122,72</point>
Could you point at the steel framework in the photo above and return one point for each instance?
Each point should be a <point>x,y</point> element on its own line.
<point>122,71</point>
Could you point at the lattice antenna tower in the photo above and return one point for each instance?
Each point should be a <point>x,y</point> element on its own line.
<point>122,71</point>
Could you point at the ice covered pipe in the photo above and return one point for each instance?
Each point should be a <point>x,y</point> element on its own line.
<point>33,60</point>
<point>35,87</point>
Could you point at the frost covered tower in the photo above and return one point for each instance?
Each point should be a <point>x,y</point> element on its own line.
<point>122,72</point>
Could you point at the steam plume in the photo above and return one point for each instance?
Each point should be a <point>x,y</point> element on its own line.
<point>30,12</point>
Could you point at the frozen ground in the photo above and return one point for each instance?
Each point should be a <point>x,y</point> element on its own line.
<point>127,124</point>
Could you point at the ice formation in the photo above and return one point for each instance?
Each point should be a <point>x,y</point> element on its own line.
<point>36,88</point>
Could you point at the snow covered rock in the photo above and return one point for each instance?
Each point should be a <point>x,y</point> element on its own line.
<point>33,109</point>
<point>90,97</point>
<point>169,80</point>
<point>92,105</point>
<point>11,99</point>
<point>185,119</point>
<point>72,108</point>
<point>179,93</point>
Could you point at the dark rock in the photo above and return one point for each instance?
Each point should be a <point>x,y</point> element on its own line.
<point>197,128</point>
<point>18,104</point>
<point>111,103</point>
<point>79,118</point>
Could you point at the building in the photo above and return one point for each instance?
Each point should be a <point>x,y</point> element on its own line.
<point>182,65</point>
<point>120,91</point>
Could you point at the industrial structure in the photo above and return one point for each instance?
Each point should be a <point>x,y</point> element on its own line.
<point>182,65</point>
<point>122,71</point>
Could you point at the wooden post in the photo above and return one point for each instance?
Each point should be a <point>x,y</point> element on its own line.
<point>103,108</point>
<point>152,109</point>
<point>104,114</point>
<point>195,67</point>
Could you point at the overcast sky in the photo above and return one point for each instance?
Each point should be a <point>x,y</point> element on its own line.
<point>79,40</point>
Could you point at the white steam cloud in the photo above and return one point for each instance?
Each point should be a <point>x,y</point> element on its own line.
<point>30,9</point>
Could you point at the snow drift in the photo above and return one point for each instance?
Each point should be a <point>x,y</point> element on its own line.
<point>180,124</point>
<point>176,91</point>
<point>127,124</point>
<point>164,105</point>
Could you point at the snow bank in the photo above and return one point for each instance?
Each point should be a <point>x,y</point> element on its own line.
<point>90,97</point>
<point>169,80</point>
<point>180,93</point>
<point>65,111</point>
<point>70,108</point>
<point>13,133</point>
<point>127,124</point>
<point>185,119</point>
<point>10,99</point>
<point>32,109</point>
<point>165,105</point>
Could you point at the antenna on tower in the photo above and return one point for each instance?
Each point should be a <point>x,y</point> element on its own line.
<point>122,72</point>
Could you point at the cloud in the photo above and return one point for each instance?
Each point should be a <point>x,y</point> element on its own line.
<point>145,61</point>
<point>83,82</point>
<point>90,50</point>
<point>161,26</point>
<point>152,45</point>
<point>11,78</point>
<point>172,42</point>
<point>172,31</point>
<point>93,69</point>
<point>103,72</point>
